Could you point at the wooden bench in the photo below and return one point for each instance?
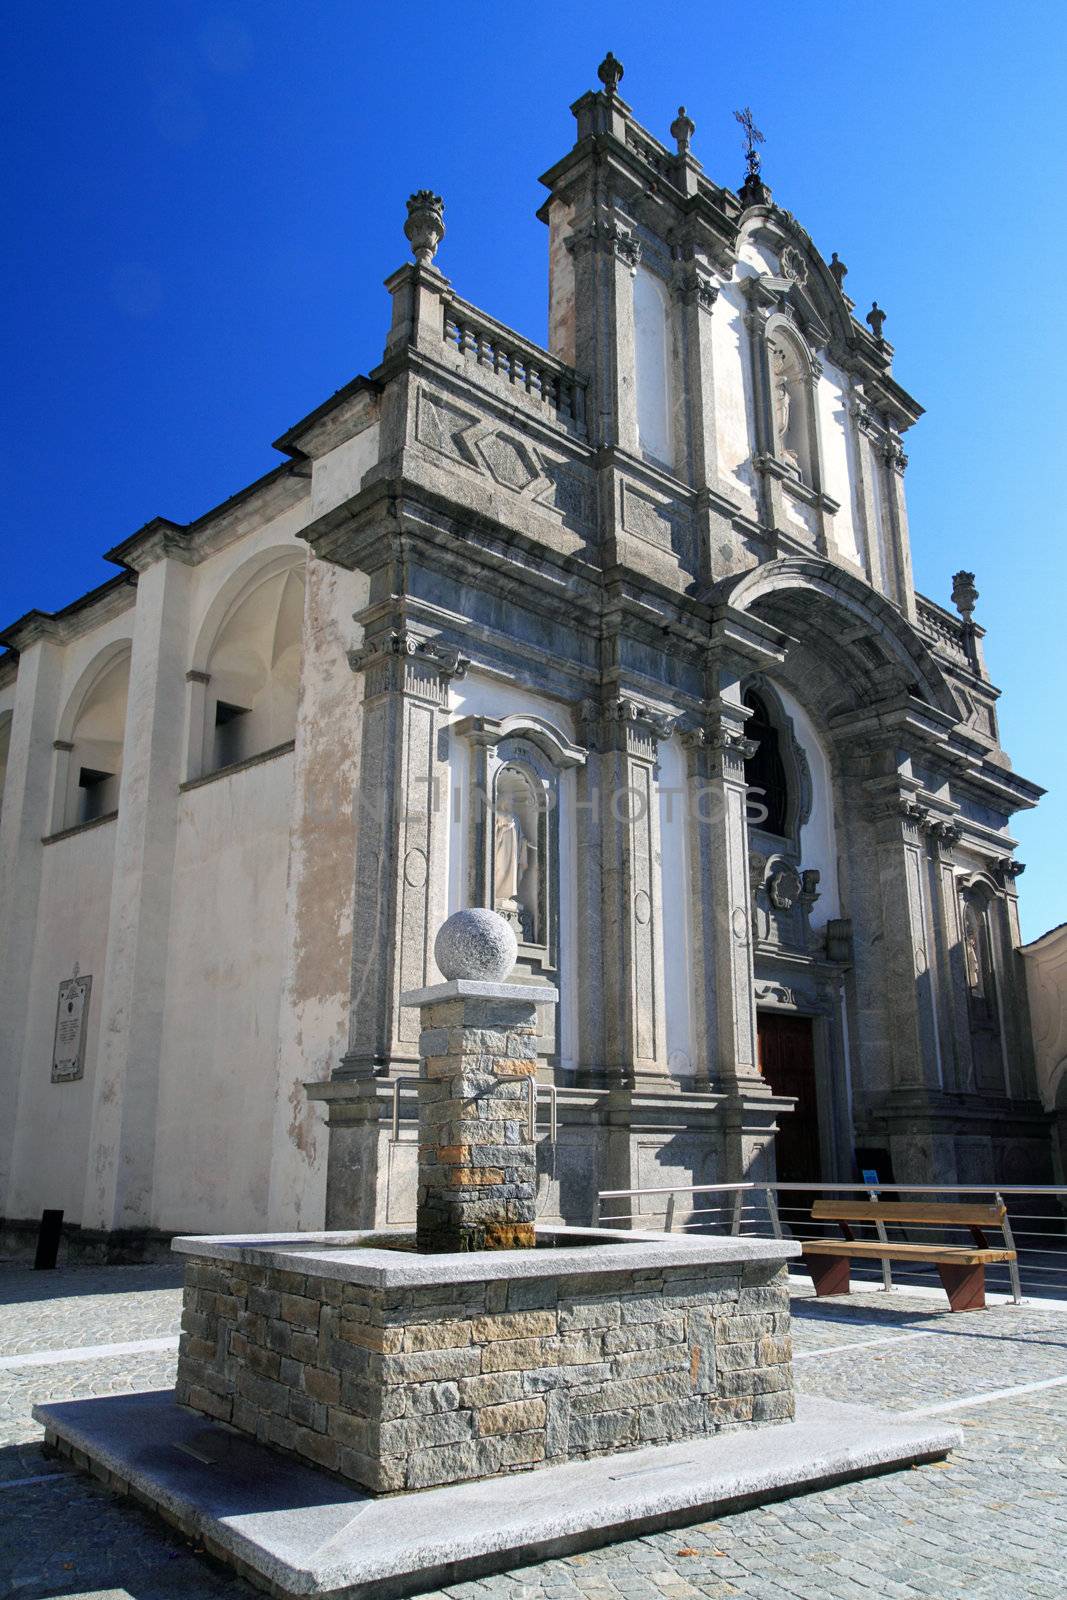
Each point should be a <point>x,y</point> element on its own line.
<point>962,1267</point>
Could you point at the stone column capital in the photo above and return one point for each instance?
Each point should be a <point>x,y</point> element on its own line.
<point>624,723</point>
<point>404,662</point>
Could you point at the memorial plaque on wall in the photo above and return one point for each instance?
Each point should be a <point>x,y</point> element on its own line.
<point>72,1021</point>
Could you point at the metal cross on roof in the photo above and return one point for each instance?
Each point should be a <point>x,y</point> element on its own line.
<point>753,137</point>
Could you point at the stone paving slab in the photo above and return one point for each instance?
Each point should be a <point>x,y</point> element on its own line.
<point>301,1533</point>
<point>990,1523</point>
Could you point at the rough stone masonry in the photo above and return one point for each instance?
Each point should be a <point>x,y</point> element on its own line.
<point>402,1388</point>
<point>477,1160</point>
<point>477,1150</point>
<point>478,1354</point>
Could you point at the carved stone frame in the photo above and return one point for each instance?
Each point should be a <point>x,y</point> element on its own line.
<point>799,785</point>
<point>543,754</point>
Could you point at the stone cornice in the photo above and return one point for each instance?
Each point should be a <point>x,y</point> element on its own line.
<point>346,413</point>
<point>90,610</point>
<point>276,492</point>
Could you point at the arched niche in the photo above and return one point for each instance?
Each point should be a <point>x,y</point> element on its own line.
<point>91,737</point>
<point>5,747</point>
<point>983,956</point>
<point>654,366</point>
<point>514,809</point>
<point>248,670</point>
<point>793,409</point>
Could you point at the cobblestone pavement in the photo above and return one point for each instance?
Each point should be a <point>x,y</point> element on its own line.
<point>992,1521</point>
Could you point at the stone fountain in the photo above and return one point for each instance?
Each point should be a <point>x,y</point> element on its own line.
<point>604,1366</point>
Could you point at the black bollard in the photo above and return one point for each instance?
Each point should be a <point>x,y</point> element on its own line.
<point>48,1240</point>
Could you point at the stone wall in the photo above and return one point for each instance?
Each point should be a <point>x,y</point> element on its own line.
<point>409,1387</point>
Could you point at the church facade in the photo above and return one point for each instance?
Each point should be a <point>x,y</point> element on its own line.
<point>618,637</point>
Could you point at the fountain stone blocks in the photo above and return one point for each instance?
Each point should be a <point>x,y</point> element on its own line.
<point>481,1345</point>
<point>399,1370</point>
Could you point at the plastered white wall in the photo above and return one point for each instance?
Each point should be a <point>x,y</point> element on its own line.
<point>339,473</point>
<point>733,400</point>
<point>313,1015</point>
<point>52,1119</point>
<point>224,983</point>
<point>838,465</point>
<point>653,364</point>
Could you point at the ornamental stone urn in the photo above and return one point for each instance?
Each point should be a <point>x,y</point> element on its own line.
<point>425,227</point>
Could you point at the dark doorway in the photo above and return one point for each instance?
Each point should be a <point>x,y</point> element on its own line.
<point>787,1061</point>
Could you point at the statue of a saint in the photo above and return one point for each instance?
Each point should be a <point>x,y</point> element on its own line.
<point>973,955</point>
<point>783,404</point>
<point>513,856</point>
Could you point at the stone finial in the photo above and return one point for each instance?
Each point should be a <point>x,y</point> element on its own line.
<point>838,271</point>
<point>876,321</point>
<point>477,945</point>
<point>425,227</point>
<point>964,594</point>
<point>610,73</point>
<point>682,130</point>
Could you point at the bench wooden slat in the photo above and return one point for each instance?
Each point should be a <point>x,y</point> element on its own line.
<point>874,1249</point>
<point>974,1216</point>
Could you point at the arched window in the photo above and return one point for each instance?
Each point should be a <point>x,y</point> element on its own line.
<point>94,765</point>
<point>791,405</point>
<point>765,774</point>
<point>254,673</point>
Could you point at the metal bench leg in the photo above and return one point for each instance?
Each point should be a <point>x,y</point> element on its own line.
<point>829,1274</point>
<point>965,1286</point>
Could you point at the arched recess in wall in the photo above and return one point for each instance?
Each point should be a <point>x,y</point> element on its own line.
<point>653,366</point>
<point>245,679</point>
<point>5,746</point>
<point>778,774</point>
<point>984,956</point>
<point>90,740</point>
<point>793,409</point>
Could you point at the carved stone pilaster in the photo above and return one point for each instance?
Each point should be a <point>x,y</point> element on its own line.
<point>909,959</point>
<point>605,235</point>
<point>619,821</point>
<point>720,898</point>
<point>401,820</point>
<point>943,835</point>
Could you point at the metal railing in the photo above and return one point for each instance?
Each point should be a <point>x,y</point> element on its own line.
<point>1035,1227</point>
<point>535,1091</point>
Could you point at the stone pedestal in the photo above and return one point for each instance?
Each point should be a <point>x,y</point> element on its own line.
<point>477,1154</point>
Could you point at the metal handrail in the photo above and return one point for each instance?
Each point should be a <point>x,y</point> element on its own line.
<point>817,1183</point>
<point>733,1196</point>
<point>534,1090</point>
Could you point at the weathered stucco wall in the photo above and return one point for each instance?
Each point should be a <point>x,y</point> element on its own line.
<point>313,1016</point>
<point>223,990</point>
<point>52,1119</point>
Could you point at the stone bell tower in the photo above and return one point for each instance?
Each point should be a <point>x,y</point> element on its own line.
<point>635,261</point>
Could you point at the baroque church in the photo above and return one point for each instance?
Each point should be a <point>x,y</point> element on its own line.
<point>618,637</point>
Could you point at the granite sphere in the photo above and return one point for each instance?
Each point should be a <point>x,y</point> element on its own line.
<point>475,944</point>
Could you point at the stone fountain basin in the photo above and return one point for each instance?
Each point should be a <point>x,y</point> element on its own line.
<point>403,1371</point>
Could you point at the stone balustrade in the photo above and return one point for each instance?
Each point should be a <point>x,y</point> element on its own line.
<point>527,369</point>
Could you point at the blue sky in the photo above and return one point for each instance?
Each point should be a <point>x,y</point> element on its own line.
<point>203,200</point>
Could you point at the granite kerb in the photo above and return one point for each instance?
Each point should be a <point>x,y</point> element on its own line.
<point>359,1258</point>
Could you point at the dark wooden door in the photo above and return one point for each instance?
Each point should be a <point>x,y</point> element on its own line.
<point>787,1061</point>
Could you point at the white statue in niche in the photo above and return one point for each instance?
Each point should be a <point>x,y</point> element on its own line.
<point>972,947</point>
<point>788,407</point>
<point>516,868</point>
